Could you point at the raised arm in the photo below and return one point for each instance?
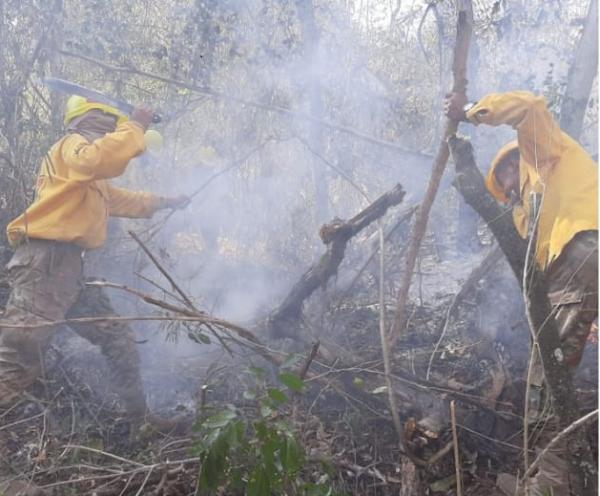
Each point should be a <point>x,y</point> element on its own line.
<point>106,157</point>
<point>539,135</point>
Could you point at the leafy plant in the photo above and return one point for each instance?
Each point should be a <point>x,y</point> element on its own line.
<point>257,454</point>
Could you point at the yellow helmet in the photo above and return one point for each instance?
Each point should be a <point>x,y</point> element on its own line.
<point>78,105</point>
<point>490,181</point>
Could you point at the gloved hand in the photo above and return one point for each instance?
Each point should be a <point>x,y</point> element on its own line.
<point>143,115</point>
<point>454,106</point>
<point>176,202</point>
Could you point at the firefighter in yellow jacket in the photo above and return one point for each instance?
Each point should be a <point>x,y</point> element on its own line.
<point>549,163</point>
<point>74,198</point>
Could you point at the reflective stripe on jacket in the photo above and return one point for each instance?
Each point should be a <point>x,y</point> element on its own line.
<point>552,163</point>
<point>73,195</point>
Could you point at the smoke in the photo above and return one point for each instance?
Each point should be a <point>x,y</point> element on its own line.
<point>252,232</point>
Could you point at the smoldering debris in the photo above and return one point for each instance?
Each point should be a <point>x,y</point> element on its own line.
<point>320,113</point>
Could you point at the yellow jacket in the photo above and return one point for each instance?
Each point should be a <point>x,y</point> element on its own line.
<point>552,163</point>
<point>73,195</point>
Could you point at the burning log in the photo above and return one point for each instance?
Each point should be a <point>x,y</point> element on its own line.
<point>335,236</point>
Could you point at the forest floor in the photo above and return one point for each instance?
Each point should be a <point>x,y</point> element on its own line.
<point>70,437</point>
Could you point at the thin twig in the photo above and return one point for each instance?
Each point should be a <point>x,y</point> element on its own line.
<point>202,187</point>
<point>176,287</point>
<point>556,439</point>
<point>311,356</point>
<point>103,453</point>
<point>456,452</point>
<point>387,367</point>
<point>162,270</point>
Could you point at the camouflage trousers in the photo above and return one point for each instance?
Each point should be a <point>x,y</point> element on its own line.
<point>46,279</point>
<point>573,293</point>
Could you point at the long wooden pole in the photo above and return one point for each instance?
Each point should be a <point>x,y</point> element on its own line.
<point>459,71</point>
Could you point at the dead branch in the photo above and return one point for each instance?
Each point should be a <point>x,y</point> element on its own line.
<point>385,350</point>
<point>336,236</point>
<point>176,287</point>
<point>459,70</point>
<point>456,452</point>
<point>558,438</point>
<point>162,270</point>
<point>311,356</point>
<point>263,106</point>
<point>403,218</point>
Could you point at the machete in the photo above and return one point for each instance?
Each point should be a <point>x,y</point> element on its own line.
<point>76,89</point>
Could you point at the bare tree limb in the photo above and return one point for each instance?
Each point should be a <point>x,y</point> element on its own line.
<point>459,69</point>
<point>263,106</point>
<point>557,439</point>
<point>582,73</point>
<point>336,236</point>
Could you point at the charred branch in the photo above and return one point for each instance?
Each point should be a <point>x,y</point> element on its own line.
<point>335,236</point>
<point>471,185</point>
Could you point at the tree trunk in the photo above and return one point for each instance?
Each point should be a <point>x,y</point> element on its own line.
<point>311,38</point>
<point>581,76</point>
<point>471,185</point>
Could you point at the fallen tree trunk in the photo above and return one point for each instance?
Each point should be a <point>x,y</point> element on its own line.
<point>470,184</point>
<point>335,236</point>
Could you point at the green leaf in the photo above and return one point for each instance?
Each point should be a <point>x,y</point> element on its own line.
<point>214,465</point>
<point>292,381</point>
<point>277,395</point>
<point>259,372</point>
<point>292,455</point>
<point>261,430</point>
<point>236,434</point>
<point>267,455</point>
<point>259,483</point>
<point>220,419</point>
